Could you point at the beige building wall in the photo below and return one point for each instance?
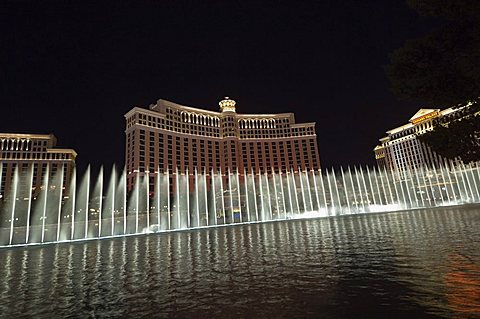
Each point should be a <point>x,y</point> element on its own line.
<point>168,135</point>
<point>400,150</point>
<point>33,153</point>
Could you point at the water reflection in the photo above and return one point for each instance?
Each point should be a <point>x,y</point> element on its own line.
<point>462,285</point>
<point>423,263</point>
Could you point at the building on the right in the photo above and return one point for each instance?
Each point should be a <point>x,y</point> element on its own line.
<point>400,150</point>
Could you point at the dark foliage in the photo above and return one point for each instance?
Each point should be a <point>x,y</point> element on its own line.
<point>457,10</point>
<point>459,138</point>
<point>442,69</point>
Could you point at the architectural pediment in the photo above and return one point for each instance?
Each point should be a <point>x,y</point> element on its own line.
<point>424,114</point>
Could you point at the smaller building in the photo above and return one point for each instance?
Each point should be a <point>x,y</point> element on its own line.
<point>34,155</point>
<point>400,150</point>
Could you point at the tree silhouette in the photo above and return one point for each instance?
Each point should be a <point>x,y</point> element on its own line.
<point>442,69</point>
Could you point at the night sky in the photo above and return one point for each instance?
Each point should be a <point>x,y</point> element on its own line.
<point>74,68</point>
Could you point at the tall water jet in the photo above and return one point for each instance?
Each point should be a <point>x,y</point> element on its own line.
<point>169,208</point>
<point>332,202</point>
<point>308,196</point>
<point>345,189</point>
<point>163,201</point>
<point>460,194</point>
<point>123,184</point>
<point>438,184</point>
<point>269,197</point>
<point>431,191</point>
<point>247,202</point>
<point>406,189</point>
<point>464,172</point>
<point>197,199</point>
<point>107,211</point>
<point>16,205</point>
<point>262,204</point>
<point>147,198</point>
<point>222,196</point>
<point>254,196</point>
<point>289,195</point>
<point>214,198</point>
<point>207,210</point>
<point>362,201</point>
<point>30,186</point>
<point>230,195</point>
<point>1,180</point>
<point>379,190</point>
<point>302,190</point>
<point>371,187</point>
<point>14,201</point>
<point>137,199</point>
<point>296,191</point>
<point>384,173</point>
<point>309,190</point>
<point>113,191</point>
<point>73,196</point>
<point>238,197</point>
<point>419,188</point>
<point>323,191</point>
<point>477,166</point>
<point>59,216</point>
<point>392,179</point>
<point>474,181</point>
<point>397,177</point>
<point>187,197</point>
<point>413,187</point>
<point>316,190</point>
<point>365,188</point>
<point>340,206</point>
<point>450,189</point>
<point>45,198</point>
<point>157,200</point>
<point>177,203</point>
<point>60,199</point>
<point>95,206</point>
<point>275,193</point>
<point>353,189</point>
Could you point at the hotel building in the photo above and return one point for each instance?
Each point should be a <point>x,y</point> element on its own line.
<point>32,154</point>
<point>401,150</point>
<point>167,136</point>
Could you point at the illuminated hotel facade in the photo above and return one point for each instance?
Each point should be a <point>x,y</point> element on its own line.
<point>169,136</point>
<point>34,155</point>
<point>400,150</point>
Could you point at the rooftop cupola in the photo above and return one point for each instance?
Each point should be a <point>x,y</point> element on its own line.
<point>227,105</point>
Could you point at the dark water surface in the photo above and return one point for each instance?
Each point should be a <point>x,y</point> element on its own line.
<point>418,264</point>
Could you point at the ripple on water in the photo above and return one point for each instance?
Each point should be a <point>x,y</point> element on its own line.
<point>423,263</point>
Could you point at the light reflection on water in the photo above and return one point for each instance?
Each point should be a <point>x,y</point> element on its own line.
<point>423,263</point>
